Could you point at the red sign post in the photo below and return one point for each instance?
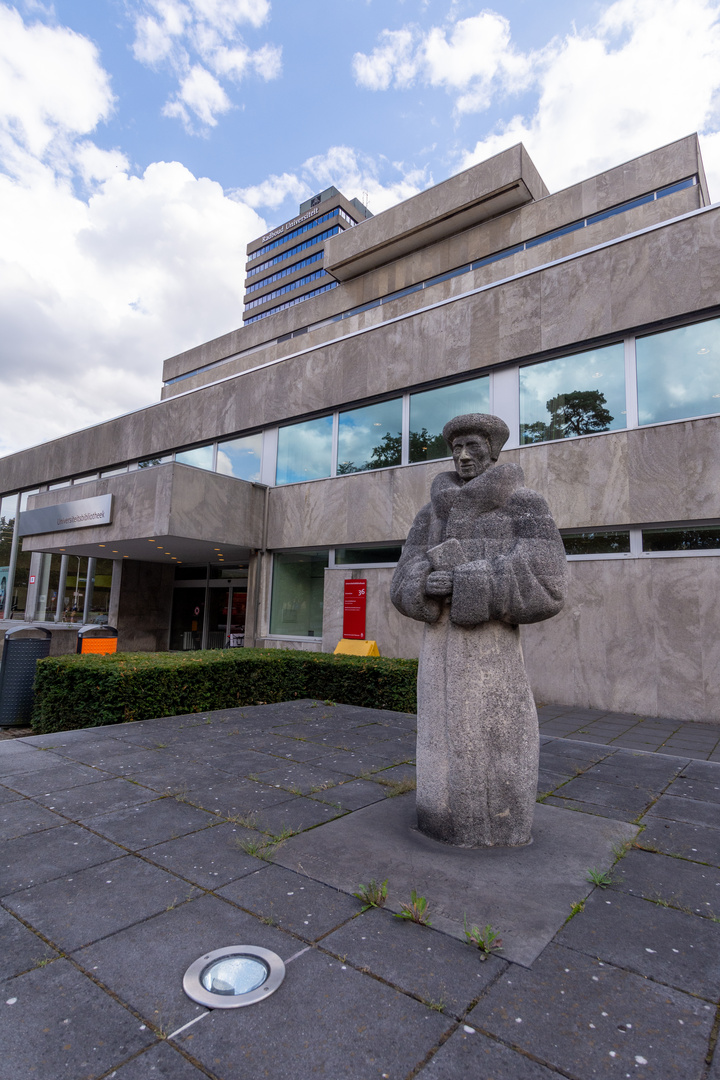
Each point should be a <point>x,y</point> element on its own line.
<point>354,609</point>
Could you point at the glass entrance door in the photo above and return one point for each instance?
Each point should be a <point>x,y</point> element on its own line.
<point>226,614</point>
<point>188,617</point>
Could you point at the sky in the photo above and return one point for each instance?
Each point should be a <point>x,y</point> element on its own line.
<point>143,143</point>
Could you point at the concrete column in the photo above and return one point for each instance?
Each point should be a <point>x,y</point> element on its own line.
<point>62,581</point>
<point>41,607</point>
<point>115,586</point>
<point>33,586</point>
<point>89,585</point>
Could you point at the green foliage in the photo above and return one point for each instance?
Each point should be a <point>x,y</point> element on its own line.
<point>487,940</point>
<point>603,878</point>
<point>579,412</point>
<point>91,691</point>
<point>416,910</point>
<point>372,894</point>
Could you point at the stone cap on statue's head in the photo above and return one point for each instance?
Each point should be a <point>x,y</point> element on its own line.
<point>493,428</point>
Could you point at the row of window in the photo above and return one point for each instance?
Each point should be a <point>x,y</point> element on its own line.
<point>295,250</point>
<point>337,212</point>
<point>544,238</point>
<point>285,289</point>
<point>654,378</point>
<point>293,302</point>
<point>264,282</point>
<point>640,541</point>
<point>296,606</point>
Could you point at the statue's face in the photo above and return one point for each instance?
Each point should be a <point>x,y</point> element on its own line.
<point>471,455</point>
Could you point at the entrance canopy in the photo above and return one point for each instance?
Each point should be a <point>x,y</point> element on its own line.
<point>167,514</point>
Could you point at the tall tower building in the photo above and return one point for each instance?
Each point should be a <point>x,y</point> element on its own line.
<point>285,266</point>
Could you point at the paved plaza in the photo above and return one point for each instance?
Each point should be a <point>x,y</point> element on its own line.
<point>130,851</point>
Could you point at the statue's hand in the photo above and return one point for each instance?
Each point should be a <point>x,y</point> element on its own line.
<point>439,583</point>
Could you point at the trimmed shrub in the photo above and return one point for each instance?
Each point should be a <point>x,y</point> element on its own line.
<point>91,691</point>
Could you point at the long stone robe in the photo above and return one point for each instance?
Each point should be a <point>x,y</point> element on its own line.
<point>478,745</point>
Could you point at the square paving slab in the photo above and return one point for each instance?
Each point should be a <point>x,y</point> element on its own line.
<point>59,1025</point>
<point>524,893</point>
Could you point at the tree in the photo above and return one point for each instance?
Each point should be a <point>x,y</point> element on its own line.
<point>580,412</point>
<point>6,534</point>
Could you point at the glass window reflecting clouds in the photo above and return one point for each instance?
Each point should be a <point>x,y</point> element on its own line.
<point>370,438</point>
<point>240,457</point>
<point>430,410</point>
<point>573,395</point>
<point>201,457</point>
<point>297,593</point>
<point>678,373</point>
<point>304,451</point>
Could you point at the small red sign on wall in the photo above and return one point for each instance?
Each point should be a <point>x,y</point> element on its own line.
<point>354,609</point>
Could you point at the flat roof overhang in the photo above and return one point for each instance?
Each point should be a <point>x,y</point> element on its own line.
<point>166,514</point>
<point>485,191</point>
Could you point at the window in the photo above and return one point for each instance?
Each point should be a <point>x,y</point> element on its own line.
<point>370,438</point>
<point>367,556</point>
<point>296,608</point>
<point>616,542</point>
<point>201,457</point>
<point>150,463</point>
<point>573,395</point>
<point>430,410</point>
<point>240,457</point>
<point>678,373</point>
<point>697,538</point>
<point>304,451</point>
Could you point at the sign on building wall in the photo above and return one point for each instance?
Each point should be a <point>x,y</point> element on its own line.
<point>80,514</point>
<point>354,609</point>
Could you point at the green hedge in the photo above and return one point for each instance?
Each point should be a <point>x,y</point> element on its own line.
<point>89,691</point>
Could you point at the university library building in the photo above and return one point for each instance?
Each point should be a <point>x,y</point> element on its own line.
<point>293,453</point>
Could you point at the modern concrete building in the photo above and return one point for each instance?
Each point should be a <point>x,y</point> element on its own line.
<point>285,266</point>
<point>293,453</point>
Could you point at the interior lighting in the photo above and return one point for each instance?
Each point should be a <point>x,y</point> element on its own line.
<point>235,976</point>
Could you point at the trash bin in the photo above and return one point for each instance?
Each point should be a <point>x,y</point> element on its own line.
<point>94,638</point>
<point>17,672</point>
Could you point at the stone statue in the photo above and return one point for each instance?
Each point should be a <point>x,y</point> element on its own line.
<point>482,556</point>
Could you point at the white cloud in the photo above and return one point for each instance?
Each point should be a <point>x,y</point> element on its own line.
<point>96,289</point>
<point>273,191</point>
<point>645,74</point>
<point>41,71</point>
<point>355,173</point>
<point>200,41</point>
<point>470,58</point>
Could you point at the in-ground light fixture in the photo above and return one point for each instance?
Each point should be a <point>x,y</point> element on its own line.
<point>234,976</point>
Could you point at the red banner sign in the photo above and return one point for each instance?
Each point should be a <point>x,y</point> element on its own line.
<point>354,609</point>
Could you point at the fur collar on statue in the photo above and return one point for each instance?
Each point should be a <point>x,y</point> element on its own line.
<point>486,492</point>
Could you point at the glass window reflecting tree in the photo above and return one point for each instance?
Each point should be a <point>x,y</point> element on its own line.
<point>371,437</point>
<point>678,373</point>
<point>616,542</point>
<point>240,457</point>
<point>304,451</point>
<point>573,395</point>
<point>430,410</point>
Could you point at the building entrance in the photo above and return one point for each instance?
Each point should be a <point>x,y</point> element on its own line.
<point>209,613</point>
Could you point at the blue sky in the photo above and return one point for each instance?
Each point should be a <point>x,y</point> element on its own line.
<point>143,143</point>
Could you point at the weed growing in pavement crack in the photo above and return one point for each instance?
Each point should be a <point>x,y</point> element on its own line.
<point>601,878</point>
<point>488,941</point>
<point>416,911</point>
<point>372,894</point>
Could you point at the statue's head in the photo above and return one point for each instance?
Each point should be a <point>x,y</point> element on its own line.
<point>476,440</point>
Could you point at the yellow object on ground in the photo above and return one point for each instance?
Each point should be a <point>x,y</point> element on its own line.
<point>357,648</point>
